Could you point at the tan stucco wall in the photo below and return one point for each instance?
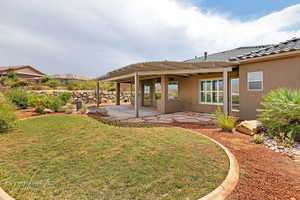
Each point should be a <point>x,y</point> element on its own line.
<point>284,73</point>
<point>189,92</point>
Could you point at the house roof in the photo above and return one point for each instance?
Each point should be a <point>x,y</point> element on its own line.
<point>282,47</point>
<point>70,77</point>
<point>226,55</point>
<point>165,67</point>
<point>15,68</point>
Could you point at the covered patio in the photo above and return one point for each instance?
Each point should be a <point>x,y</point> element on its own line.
<point>158,89</point>
<point>126,113</point>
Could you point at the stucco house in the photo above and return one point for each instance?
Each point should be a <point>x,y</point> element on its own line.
<point>25,71</point>
<point>236,80</point>
<point>66,78</point>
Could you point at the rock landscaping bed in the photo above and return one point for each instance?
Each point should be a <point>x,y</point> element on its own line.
<point>264,175</point>
<point>293,152</point>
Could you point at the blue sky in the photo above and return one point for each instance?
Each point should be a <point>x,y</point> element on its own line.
<point>92,37</point>
<point>245,9</point>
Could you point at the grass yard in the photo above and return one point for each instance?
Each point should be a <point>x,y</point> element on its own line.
<point>76,157</point>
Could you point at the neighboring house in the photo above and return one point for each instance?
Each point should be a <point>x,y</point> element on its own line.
<point>26,72</point>
<point>66,78</point>
<point>235,80</point>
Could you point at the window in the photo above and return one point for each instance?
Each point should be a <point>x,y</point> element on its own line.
<point>157,91</point>
<point>255,81</point>
<point>235,95</point>
<point>211,92</point>
<point>172,90</point>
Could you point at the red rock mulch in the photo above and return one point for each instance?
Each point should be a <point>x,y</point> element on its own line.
<point>265,175</point>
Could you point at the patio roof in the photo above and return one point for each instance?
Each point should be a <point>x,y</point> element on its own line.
<point>164,68</point>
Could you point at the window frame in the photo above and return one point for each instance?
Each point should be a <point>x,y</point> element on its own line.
<point>218,91</point>
<point>262,81</point>
<point>231,95</point>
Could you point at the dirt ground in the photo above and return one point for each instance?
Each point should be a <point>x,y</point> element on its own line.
<point>264,174</point>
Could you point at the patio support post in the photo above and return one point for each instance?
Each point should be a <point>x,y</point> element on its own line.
<point>118,90</point>
<point>225,98</point>
<point>136,101</point>
<point>164,93</point>
<point>98,93</point>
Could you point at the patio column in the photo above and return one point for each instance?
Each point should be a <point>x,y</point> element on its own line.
<point>136,101</point>
<point>164,93</point>
<point>225,89</point>
<point>118,90</point>
<point>98,93</point>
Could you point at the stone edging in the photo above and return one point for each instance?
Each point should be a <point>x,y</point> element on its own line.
<point>220,193</point>
<point>232,178</point>
<point>4,195</point>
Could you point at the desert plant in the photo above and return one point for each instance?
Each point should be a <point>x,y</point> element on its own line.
<point>223,121</point>
<point>74,85</point>
<point>18,97</point>
<point>7,115</point>
<point>39,102</point>
<point>258,139</point>
<point>280,115</point>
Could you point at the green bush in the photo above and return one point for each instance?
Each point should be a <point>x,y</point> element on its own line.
<point>74,85</point>
<point>225,122</point>
<point>40,102</point>
<point>11,75</point>
<point>7,114</point>
<point>20,83</point>
<point>65,97</point>
<point>55,104</point>
<point>280,115</point>
<point>53,83</point>
<point>258,139</point>
<point>18,97</point>
<point>44,79</point>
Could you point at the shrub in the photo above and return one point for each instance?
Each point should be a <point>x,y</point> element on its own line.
<point>39,102</point>
<point>280,115</point>
<point>258,139</point>
<point>83,109</point>
<point>55,104</point>
<point>225,122</point>
<point>36,87</point>
<point>18,97</point>
<point>20,83</point>
<point>11,75</point>
<point>7,115</point>
<point>53,83</point>
<point>65,97</point>
<point>44,79</point>
<point>74,85</point>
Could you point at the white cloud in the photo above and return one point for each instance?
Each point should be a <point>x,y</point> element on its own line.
<point>92,37</point>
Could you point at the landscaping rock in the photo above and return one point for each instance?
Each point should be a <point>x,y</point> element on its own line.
<point>251,127</point>
<point>47,111</point>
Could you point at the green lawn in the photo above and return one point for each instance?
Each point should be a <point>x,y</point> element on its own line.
<point>75,157</point>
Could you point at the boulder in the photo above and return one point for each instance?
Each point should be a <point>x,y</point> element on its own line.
<point>47,111</point>
<point>251,127</point>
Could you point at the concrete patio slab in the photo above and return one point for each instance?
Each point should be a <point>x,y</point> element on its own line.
<point>126,113</point>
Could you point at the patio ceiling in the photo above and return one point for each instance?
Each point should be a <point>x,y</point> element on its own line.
<point>165,68</point>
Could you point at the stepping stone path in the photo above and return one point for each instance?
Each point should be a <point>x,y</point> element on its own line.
<point>182,117</point>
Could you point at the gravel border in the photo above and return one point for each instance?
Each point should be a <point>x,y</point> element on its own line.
<point>232,178</point>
